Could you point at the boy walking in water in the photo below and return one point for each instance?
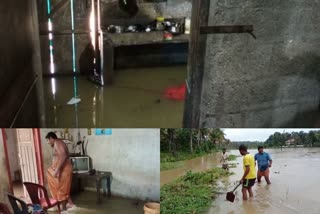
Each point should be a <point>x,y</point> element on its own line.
<point>249,175</point>
<point>224,160</point>
<point>264,163</point>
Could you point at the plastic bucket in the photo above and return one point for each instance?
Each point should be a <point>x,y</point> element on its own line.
<point>151,208</point>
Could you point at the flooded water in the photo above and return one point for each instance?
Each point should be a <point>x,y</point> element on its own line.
<point>295,176</point>
<point>86,203</point>
<point>196,165</point>
<point>135,100</point>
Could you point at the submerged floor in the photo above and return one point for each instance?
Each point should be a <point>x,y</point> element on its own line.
<point>135,100</point>
<point>86,203</point>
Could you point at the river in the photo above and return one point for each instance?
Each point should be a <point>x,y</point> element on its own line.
<point>295,176</point>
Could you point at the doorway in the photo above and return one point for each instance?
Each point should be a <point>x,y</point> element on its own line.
<point>24,159</point>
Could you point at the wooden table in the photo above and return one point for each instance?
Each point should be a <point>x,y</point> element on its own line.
<point>114,40</point>
<point>98,177</point>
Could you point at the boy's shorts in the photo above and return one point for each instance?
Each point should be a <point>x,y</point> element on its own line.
<point>225,166</point>
<point>248,182</point>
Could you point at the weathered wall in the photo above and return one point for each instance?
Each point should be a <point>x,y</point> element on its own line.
<point>132,155</point>
<point>111,14</point>
<point>13,151</point>
<point>20,65</point>
<point>273,81</point>
<point>4,180</point>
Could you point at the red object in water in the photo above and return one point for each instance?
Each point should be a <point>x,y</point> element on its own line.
<point>176,92</point>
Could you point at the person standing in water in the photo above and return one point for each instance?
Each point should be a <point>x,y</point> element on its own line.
<point>264,163</point>
<point>249,175</point>
<point>59,175</point>
<point>224,160</point>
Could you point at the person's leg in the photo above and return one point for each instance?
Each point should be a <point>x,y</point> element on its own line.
<point>53,184</point>
<point>259,176</point>
<point>266,176</point>
<point>250,192</point>
<point>244,193</point>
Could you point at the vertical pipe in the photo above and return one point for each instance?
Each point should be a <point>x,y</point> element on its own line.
<point>73,37</point>
<point>100,34</point>
<point>75,81</point>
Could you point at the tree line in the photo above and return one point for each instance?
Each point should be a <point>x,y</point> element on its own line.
<point>311,138</point>
<point>191,140</point>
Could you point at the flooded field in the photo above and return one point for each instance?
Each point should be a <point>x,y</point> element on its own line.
<point>135,100</point>
<point>295,176</point>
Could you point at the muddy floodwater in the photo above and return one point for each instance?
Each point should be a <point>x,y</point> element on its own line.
<point>135,100</point>
<point>295,177</point>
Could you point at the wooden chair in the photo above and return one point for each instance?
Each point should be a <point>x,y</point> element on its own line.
<point>39,195</point>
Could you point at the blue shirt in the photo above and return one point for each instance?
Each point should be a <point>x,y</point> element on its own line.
<point>262,159</point>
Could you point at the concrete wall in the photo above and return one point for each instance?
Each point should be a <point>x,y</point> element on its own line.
<point>4,180</point>
<point>273,81</point>
<point>132,155</point>
<point>20,65</point>
<point>111,14</point>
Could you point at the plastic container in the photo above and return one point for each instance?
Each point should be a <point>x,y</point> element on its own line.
<point>187,26</point>
<point>151,208</point>
<point>160,23</point>
<point>167,36</point>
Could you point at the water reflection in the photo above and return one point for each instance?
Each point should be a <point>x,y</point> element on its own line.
<point>135,100</point>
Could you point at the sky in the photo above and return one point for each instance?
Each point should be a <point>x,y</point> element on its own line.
<point>256,134</point>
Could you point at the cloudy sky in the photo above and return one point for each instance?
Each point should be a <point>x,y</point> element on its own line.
<point>256,134</point>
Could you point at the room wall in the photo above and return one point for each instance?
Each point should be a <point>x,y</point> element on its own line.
<point>135,171</point>
<point>132,155</point>
<point>20,65</point>
<point>273,81</point>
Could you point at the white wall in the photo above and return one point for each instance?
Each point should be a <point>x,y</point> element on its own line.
<point>132,155</point>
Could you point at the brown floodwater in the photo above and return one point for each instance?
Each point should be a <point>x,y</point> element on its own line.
<point>295,176</point>
<point>135,100</point>
<point>86,203</point>
<point>196,165</point>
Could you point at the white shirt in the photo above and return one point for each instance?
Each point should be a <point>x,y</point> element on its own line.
<point>224,158</point>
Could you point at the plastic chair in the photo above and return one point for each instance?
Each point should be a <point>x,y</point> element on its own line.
<point>18,205</point>
<point>4,209</point>
<point>39,195</point>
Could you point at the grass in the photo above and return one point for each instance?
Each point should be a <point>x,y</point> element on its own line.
<point>180,156</point>
<point>232,157</point>
<point>171,165</point>
<point>191,193</point>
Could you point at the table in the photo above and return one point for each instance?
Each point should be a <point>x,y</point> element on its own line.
<point>98,177</point>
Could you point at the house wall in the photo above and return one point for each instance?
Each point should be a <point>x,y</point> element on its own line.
<point>273,81</point>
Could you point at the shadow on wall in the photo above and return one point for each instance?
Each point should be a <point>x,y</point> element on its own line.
<point>298,89</point>
<point>307,67</point>
<point>112,14</point>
